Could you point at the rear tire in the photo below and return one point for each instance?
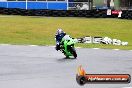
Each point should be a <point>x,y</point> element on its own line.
<point>73,51</point>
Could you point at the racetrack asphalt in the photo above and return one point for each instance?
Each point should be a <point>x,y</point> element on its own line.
<point>43,67</point>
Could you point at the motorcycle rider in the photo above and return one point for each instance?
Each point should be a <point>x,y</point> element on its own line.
<point>65,43</point>
<point>58,37</point>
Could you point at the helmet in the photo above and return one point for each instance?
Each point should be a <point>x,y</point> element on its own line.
<point>59,31</point>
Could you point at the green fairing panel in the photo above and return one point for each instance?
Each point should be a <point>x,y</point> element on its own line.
<point>71,42</point>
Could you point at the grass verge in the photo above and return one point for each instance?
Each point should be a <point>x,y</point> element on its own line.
<point>41,30</point>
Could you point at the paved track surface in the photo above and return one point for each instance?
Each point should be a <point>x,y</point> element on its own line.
<point>44,67</point>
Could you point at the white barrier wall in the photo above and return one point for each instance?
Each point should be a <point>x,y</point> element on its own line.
<point>99,40</point>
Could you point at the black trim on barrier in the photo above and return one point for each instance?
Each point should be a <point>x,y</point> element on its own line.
<point>126,14</point>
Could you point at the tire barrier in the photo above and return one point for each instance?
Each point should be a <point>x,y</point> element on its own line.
<point>64,13</point>
<point>126,14</point>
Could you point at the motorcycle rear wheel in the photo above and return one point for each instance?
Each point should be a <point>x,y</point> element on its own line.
<point>73,51</point>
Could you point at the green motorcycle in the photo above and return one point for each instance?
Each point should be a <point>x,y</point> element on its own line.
<point>67,46</point>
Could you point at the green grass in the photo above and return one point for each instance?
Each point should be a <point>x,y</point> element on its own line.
<point>41,30</point>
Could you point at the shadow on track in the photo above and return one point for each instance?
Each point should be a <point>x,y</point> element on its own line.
<point>66,59</point>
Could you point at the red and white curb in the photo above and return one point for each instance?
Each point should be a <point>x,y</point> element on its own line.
<point>54,46</point>
<point>32,45</point>
<point>96,48</point>
<point>116,49</point>
<point>78,47</point>
<point>5,44</point>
